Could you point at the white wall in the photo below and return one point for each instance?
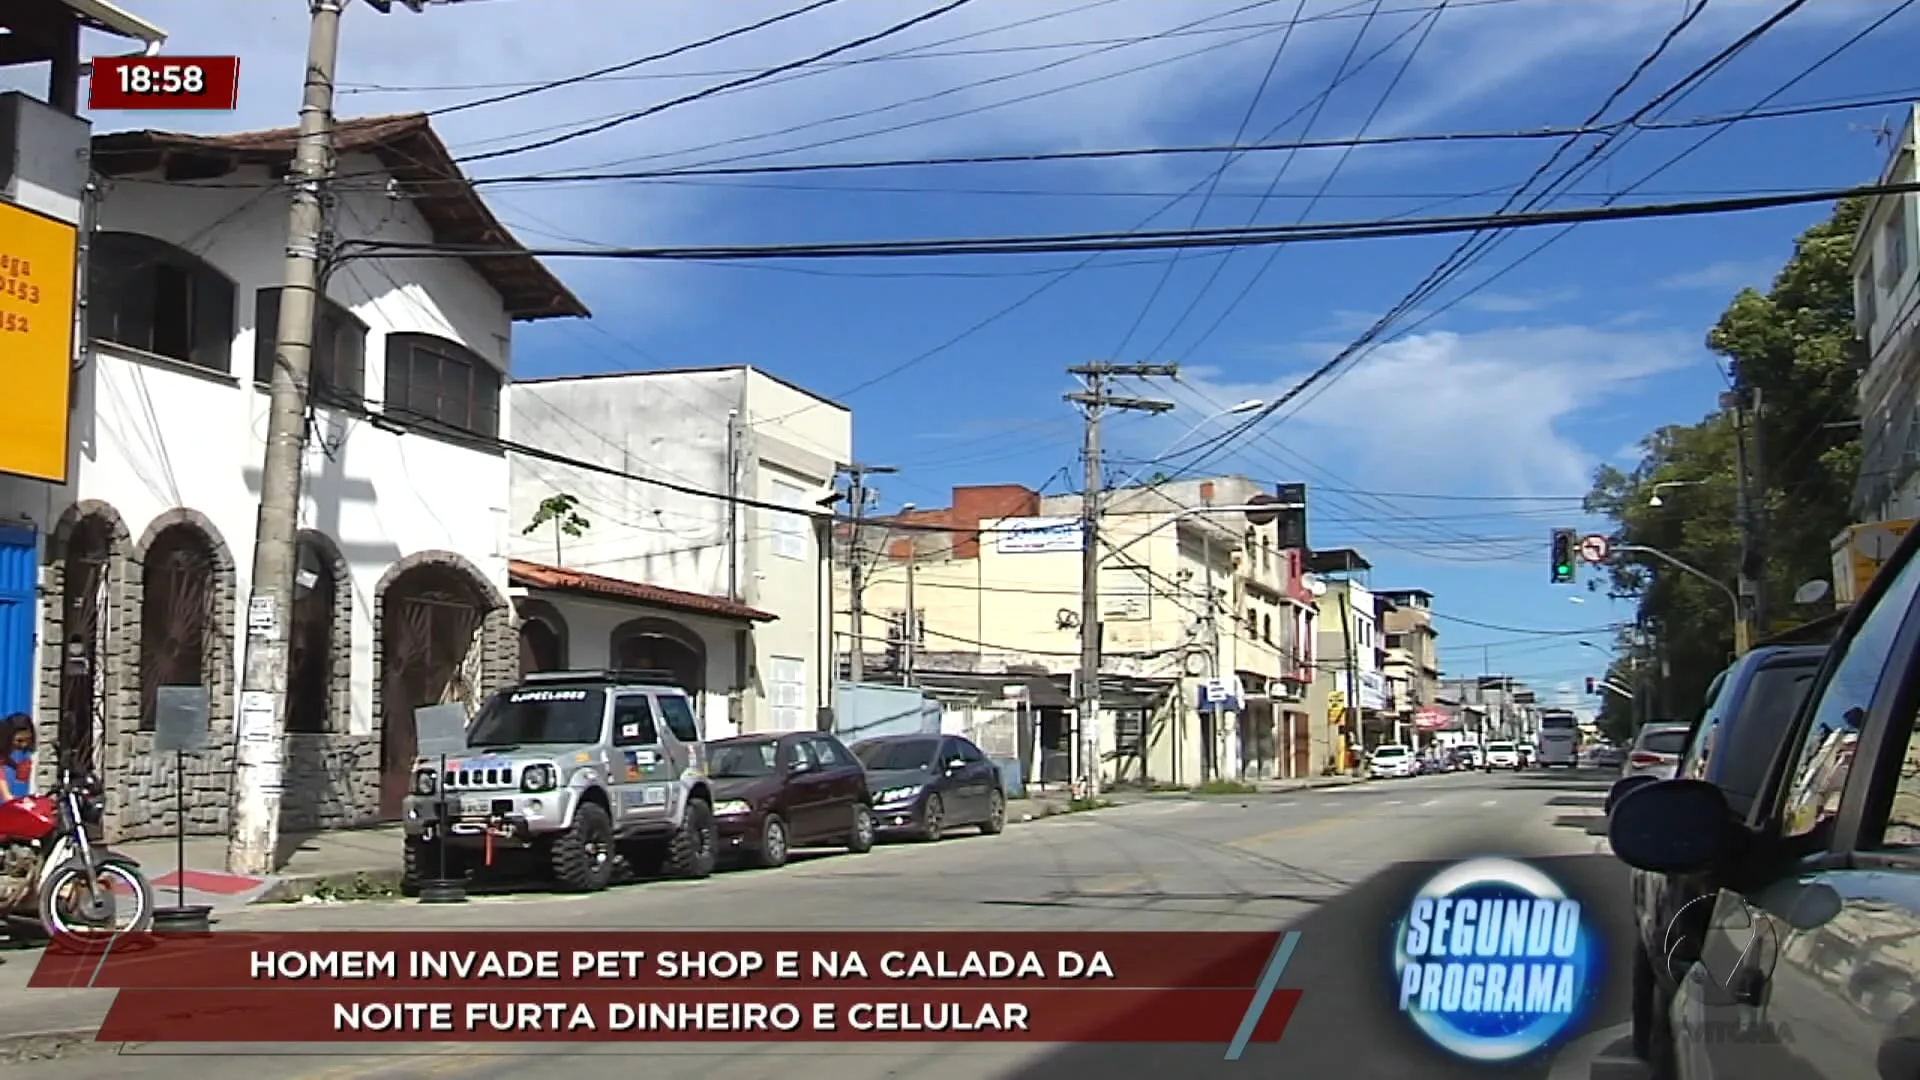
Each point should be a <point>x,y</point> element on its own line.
<point>152,434</point>
<point>590,627</point>
<point>673,426</point>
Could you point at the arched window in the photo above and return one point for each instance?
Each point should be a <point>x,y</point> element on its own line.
<point>176,615</point>
<point>432,380</point>
<point>149,295</point>
<point>338,370</point>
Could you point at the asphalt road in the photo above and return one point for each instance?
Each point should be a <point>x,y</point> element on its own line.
<point>1337,864</point>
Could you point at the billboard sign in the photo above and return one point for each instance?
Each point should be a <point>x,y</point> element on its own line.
<point>37,256</point>
<point>1030,536</point>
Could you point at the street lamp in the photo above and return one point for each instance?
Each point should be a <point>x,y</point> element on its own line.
<point>1246,406</point>
<point>1655,500</point>
<point>1742,636</point>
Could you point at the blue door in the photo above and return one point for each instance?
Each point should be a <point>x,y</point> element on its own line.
<point>19,568</point>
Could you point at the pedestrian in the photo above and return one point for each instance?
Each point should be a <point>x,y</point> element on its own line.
<point>18,767</point>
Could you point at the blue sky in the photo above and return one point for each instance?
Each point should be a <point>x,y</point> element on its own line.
<point>1445,456</point>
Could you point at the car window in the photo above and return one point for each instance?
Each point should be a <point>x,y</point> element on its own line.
<point>826,753</point>
<point>744,760</point>
<point>885,755</point>
<point>802,753</point>
<point>679,717</point>
<point>1699,751</point>
<point>1767,709</point>
<point>969,753</point>
<point>633,722</point>
<point>1818,770</point>
<point>1669,741</point>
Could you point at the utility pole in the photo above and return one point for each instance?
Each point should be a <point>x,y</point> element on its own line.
<point>1094,400</point>
<point>1210,755</point>
<point>909,647</point>
<point>254,830</point>
<point>1742,403</point>
<point>858,495</point>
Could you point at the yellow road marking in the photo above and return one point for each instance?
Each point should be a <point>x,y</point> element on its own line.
<point>1265,838</point>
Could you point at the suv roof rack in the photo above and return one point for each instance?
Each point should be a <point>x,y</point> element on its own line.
<point>639,676</point>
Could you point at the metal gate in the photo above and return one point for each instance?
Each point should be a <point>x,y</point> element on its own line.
<point>19,569</point>
<point>83,620</point>
<point>431,657</point>
<point>176,616</point>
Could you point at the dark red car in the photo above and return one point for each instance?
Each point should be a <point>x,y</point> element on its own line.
<point>775,793</point>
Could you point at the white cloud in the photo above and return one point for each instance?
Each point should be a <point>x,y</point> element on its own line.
<point>1470,413</point>
<point>1518,303</point>
<point>1727,275</point>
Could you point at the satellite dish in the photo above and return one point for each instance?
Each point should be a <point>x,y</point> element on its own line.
<point>1263,517</point>
<point>1812,592</point>
<point>1314,585</point>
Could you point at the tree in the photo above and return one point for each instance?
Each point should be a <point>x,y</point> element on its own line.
<point>562,512</point>
<point>1795,344</point>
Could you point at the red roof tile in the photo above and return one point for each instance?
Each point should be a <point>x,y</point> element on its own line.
<point>528,575</point>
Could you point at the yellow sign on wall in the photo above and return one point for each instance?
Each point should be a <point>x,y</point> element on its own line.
<point>36,342</point>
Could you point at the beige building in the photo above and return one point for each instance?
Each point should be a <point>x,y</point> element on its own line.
<point>1188,598</point>
<point>1411,663</point>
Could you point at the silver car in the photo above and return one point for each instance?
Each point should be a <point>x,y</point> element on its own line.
<point>1656,751</point>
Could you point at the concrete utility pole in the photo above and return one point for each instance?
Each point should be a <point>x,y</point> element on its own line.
<point>909,649</point>
<point>1743,402</point>
<point>857,496</point>
<point>1094,401</point>
<point>255,825</point>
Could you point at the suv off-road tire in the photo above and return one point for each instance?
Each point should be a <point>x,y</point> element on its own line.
<point>420,861</point>
<point>696,843</point>
<point>576,866</point>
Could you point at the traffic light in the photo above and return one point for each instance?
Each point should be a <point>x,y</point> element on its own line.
<point>1589,684</point>
<point>1565,541</point>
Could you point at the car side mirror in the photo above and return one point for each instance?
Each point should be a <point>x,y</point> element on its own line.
<point>956,764</point>
<point>1670,827</point>
<point>799,767</point>
<point>1622,788</point>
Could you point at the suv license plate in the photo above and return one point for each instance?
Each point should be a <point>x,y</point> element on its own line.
<point>476,806</point>
<point>653,796</point>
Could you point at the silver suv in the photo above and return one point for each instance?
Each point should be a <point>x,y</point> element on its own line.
<point>583,767</point>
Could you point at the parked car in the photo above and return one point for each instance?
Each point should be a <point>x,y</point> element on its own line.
<point>1607,756</point>
<point>1731,747</point>
<point>775,793</point>
<point>1656,750</point>
<point>572,767</point>
<point>1525,751</point>
<point>924,785</point>
<point>1808,965</point>
<point>1466,757</point>
<point>1502,755</point>
<point>1390,760</point>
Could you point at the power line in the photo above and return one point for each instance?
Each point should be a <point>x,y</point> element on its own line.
<point>745,80</point>
<point>1068,243</point>
<point>599,73</point>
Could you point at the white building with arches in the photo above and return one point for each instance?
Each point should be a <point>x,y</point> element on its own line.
<point>402,596</point>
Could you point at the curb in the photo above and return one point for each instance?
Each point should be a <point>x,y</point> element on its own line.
<point>44,1045</point>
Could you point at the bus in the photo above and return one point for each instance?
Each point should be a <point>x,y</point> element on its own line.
<point>1559,739</point>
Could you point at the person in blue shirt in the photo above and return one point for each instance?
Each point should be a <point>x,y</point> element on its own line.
<point>18,768</point>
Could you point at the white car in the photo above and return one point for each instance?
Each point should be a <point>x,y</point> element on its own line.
<point>1502,755</point>
<point>1392,761</point>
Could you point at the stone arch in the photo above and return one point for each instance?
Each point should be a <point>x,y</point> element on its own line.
<point>544,637</point>
<point>652,643</point>
<point>179,544</point>
<point>320,660</point>
<point>442,633</point>
<point>85,682</point>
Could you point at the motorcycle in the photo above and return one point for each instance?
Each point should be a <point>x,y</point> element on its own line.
<point>53,874</point>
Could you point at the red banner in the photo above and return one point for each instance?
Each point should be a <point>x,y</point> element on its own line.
<point>1014,1013</point>
<point>693,959</point>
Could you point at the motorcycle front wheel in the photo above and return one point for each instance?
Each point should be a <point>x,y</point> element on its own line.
<point>75,915</point>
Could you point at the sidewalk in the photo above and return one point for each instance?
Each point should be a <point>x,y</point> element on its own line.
<point>346,864</point>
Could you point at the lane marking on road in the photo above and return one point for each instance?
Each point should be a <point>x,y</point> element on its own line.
<point>1491,802</point>
<point>1393,802</point>
<point>1432,802</point>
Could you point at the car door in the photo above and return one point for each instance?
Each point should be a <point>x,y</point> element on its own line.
<point>981,776</point>
<point>838,774</point>
<point>641,763</point>
<point>967,801</point>
<point>809,791</point>
<point>1811,972</point>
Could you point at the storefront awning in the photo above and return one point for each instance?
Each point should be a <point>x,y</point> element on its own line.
<point>528,575</point>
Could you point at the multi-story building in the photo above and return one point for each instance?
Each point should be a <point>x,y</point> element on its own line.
<point>1886,297</point>
<point>1188,598</point>
<point>1412,658</point>
<point>145,541</point>
<point>1349,675</point>
<point>636,565</point>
